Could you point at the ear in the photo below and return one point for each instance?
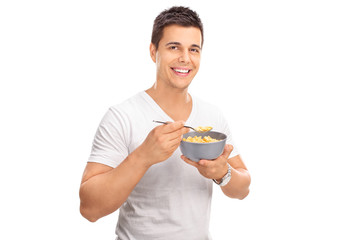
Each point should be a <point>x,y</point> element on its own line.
<point>153,52</point>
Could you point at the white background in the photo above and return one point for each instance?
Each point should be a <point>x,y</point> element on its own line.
<point>285,73</point>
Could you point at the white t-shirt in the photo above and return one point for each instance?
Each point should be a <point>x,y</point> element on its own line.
<point>172,200</point>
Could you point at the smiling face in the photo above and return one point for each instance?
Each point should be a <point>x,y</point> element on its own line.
<point>178,56</point>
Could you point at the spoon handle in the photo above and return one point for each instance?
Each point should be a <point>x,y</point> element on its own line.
<point>160,122</point>
<point>168,123</point>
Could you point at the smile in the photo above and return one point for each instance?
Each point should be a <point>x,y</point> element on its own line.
<point>181,71</point>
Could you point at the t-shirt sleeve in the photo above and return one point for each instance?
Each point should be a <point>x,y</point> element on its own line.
<point>109,145</point>
<point>226,129</point>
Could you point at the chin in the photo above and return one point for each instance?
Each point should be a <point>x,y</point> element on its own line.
<point>181,86</point>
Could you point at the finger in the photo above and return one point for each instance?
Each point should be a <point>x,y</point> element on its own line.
<point>172,127</point>
<point>227,151</point>
<point>178,133</point>
<point>205,163</point>
<point>175,143</point>
<point>188,161</point>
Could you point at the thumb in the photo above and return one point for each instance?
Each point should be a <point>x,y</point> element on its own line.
<point>227,151</point>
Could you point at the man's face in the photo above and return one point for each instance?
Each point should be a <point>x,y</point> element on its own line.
<point>178,56</point>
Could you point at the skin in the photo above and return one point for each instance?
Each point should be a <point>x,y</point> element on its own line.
<point>104,189</point>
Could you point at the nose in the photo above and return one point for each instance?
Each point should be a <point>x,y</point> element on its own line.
<point>184,57</point>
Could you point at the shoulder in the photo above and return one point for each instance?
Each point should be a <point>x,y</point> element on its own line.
<point>132,112</point>
<point>128,106</point>
<point>128,103</point>
<point>120,113</point>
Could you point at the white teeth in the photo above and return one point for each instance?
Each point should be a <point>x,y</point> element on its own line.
<point>181,70</point>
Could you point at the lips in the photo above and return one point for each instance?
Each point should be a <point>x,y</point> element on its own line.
<point>181,71</point>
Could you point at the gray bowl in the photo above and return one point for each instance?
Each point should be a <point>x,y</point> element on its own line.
<point>209,151</point>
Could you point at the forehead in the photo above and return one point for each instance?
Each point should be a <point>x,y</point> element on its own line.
<point>183,35</point>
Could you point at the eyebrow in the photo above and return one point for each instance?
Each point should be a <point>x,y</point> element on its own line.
<point>178,44</point>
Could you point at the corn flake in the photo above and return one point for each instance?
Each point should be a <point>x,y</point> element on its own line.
<point>199,139</point>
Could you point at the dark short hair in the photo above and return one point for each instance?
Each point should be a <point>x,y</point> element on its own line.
<point>182,16</point>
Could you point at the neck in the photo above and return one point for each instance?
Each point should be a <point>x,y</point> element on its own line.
<point>169,96</point>
<point>177,103</point>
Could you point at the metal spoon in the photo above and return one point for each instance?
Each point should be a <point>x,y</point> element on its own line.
<point>198,129</point>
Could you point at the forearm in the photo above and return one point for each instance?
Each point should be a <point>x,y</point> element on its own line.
<point>105,193</point>
<point>238,186</point>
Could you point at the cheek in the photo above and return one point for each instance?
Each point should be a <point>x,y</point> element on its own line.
<point>158,62</point>
<point>162,60</point>
<point>196,61</point>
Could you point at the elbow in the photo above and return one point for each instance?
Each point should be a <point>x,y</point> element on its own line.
<point>243,191</point>
<point>239,195</point>
<point>244,195</point>
<point>87,214</point>
<point>85,210</point>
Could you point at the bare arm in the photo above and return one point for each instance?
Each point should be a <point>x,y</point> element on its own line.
<point>238,187</point>
<point>104,189</point>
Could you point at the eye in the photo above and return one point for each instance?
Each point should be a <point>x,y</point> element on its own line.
<point>194,50</point>
<point>173,47</point>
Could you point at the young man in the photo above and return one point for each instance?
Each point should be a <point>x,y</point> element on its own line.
<point>136,165</point>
